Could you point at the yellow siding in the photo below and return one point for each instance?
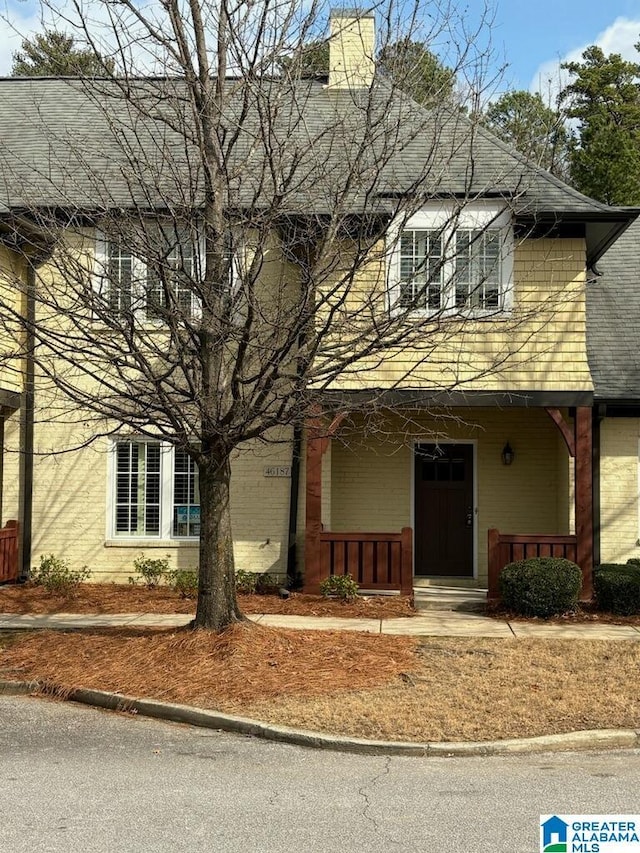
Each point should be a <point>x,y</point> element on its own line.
<point>372,479</point>
<point>12,275</point>
<point>619,442</point>
<point>538,345</point>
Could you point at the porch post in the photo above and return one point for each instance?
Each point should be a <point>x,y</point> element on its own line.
<point>313,511</point>
<point>584,497</point>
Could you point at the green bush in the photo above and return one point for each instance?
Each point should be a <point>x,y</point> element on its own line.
<point>617,588</point>
<point>339,586</point>
<point>246,581</point>
<point>184,582</point>
<point>540,586</point>
<point>153,572</point>
<point>55,575</point>
<point>266,584</point>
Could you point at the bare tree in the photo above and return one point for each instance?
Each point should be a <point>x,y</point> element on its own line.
<point>217,235</point>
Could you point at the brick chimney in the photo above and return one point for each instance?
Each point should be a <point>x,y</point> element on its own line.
<point>351,49</point>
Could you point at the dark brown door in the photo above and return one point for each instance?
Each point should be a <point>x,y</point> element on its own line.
<point>444,509</point>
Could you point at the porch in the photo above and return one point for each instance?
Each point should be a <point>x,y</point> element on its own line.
<point>453,505</point>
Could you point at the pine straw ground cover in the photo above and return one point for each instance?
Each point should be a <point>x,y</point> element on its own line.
<point>375,686</point>
<point>123,598</point>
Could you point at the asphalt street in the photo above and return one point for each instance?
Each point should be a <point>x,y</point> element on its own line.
<point>78,779</point>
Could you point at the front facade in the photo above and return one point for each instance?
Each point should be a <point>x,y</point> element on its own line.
<point>499,435</point>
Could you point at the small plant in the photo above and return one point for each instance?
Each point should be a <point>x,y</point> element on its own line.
<point>153,572</point>
<point>184,582</point>
<point>339,586</point>
<point>266,584</point>
<point>246,582</point>
<point>617,588</point>
<point>55,575</point>
<point>540,586</point>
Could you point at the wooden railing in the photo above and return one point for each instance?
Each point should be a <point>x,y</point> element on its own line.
<point>506,548</point>
<point>377,561</point>
<point>9,552</point>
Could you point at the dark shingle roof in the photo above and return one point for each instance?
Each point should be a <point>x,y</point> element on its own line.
<point>62,144</point>
<point>613,321</point>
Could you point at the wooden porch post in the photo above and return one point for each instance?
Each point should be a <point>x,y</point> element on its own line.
<point>584,497</point>
<point>313,511</point>
<point>406,569</point>
<point>493,593</point>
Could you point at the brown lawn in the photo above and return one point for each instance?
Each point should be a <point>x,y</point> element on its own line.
<point>373,686</point>
<point>125,598</point>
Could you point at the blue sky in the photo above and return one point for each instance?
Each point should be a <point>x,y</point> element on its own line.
<point>530,36</point>
<point>533,35</point>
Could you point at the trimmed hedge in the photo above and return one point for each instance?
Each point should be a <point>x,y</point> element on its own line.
<point>617,588</point>
<point>540,586</point>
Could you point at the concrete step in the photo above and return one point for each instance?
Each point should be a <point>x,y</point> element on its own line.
<point>449,598</point>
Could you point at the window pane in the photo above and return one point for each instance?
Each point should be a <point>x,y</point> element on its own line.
<point>186,496</point>
<point>137,488</point>
<point>421,269</point>
<point>169,284</point>
<point>478,268</point>
<point>120,276</point>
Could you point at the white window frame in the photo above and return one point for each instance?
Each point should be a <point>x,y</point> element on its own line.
<point>139,280</point>
<point>448,219</point>
<point>167,496</point>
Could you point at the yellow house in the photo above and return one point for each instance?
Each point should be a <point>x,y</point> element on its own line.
<point>484,431</point>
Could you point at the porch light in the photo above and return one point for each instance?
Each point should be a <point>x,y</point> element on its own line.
<point>508,454</point>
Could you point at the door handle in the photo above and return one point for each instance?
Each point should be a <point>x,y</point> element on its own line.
<point>469,521</point>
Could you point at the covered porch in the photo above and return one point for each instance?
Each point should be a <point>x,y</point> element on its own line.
<point>448,496</point>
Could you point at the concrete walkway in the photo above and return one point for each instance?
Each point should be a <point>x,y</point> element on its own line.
<point>433,623</point>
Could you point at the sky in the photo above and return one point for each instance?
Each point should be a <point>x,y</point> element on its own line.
<point>534,36</point>
<point>529,37</point>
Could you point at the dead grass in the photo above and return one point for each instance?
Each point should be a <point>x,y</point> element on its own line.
<point>375,686</point>
<point>123,598</point>
<point>465,689</point>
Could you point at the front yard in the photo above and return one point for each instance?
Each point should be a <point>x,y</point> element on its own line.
<point>373,686</point>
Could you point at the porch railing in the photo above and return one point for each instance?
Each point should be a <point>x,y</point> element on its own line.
<point>9,552</point>
<point>377,561</point>
<point>505,548</point>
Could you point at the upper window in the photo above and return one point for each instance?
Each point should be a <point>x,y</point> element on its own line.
<point>154,491</point>
<point>453,261</point>
<point>150,288</point>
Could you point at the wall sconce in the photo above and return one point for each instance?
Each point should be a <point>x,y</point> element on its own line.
<point>508,454</point>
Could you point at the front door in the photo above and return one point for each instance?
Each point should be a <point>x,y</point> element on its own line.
<point>444,510</point>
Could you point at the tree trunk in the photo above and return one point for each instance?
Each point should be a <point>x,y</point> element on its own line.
<point>217,604</point>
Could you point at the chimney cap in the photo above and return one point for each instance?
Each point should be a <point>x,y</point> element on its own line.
<point>350,12</point>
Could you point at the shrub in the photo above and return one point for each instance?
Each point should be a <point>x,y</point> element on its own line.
<point>246,581</point>
<point>339,586</point>
<point>266,584</point>
<point>153,572</point>
<point>617,588</point>
<point>55,575</point>
<point>540,586</point>
<point>185,582</point>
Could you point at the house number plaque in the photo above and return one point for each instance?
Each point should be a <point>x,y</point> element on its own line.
<point>277,471</point>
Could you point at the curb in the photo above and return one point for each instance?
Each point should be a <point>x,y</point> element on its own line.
<point>581,740</point>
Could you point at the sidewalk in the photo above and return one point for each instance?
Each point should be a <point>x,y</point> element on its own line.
<point>433,624</point>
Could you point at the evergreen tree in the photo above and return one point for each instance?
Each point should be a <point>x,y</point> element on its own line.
<point>54,54</point>
<point>604,99</point>
<point>536,130</point>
